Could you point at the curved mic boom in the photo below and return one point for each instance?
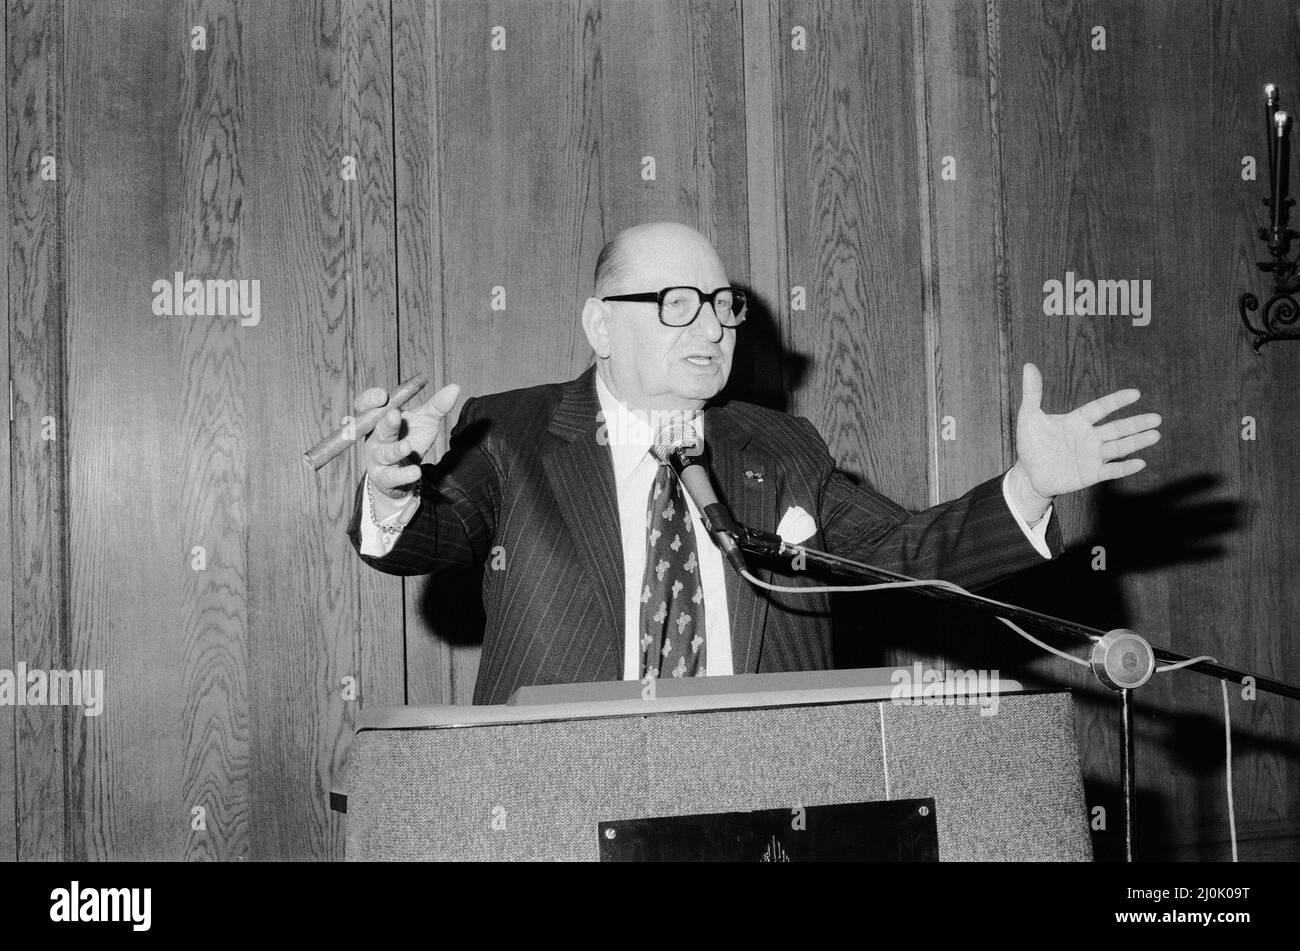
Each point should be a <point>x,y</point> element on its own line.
<point>678,446</point>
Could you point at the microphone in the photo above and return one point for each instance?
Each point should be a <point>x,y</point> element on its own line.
<point>673,448</point>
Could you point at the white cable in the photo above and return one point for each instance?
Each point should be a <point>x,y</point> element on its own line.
<point>1184,663</point>
<point>848,588</point>
<point>1047,647</point>
<point>884,749</point>
<point>1227,741</point>
<point>937,583</point>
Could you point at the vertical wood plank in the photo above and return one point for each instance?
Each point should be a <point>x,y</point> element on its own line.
<point>8,536</point>
<point>214,426</point>
<point>856,356</point>
<point>380,321</point>
<point>418,213</point>
<point>968,380</point>
<point>672,91</point>
<point>851,237</point>
<point>435,639</point>
<point>519,189</point>
<point>927,225</point>
<point>324,246</point>
<point>758,366</point>
<point>762,170</point>
<point>38,500</point>
<point>959,203</point>
<point>163,637</point>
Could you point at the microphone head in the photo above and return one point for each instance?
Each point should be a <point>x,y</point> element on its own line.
<point>676,437</point>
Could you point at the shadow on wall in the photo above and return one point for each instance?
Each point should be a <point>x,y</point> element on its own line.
<point>1171,525</point>
<point>762,371</point>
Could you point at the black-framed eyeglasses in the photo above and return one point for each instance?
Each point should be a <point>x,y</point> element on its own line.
<point>679,306</point>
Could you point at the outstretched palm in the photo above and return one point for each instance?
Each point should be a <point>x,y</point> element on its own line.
<point>1066,452</point>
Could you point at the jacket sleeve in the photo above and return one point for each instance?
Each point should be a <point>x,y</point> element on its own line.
<point>459,504</point>
<point>971,541</point>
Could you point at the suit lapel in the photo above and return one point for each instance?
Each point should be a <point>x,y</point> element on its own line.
<point>581,475</point>
<point>745,478</point>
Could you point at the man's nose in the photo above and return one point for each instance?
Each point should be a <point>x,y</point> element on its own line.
<point>707,324</point>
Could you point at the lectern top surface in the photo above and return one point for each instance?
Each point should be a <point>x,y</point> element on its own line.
<point>629,698</point>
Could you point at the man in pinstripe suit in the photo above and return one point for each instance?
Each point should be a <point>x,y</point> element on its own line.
<point>546,486</point>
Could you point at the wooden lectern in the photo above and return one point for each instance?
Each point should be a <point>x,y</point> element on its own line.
<point>996,777</point>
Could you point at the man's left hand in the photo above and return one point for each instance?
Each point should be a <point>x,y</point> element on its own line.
<point>1063,453</point>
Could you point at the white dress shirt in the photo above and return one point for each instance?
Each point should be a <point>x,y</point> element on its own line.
<point>629,437</point>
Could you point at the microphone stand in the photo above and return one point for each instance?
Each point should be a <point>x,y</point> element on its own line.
<point>1121,660</point>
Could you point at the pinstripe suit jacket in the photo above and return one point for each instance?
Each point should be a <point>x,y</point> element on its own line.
<point>529,471</point>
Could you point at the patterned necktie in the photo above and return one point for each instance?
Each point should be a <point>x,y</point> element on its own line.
<point>672,598</point>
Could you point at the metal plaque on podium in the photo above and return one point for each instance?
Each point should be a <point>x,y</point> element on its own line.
<point>897,830</point>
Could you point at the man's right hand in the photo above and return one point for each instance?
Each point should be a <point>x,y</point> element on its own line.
<point>389,462</point>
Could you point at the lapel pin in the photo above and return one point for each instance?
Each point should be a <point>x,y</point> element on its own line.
<point>753,476</point>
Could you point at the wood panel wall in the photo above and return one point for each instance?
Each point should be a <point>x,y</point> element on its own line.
<point>1136,173</point>
<point>496,174</point>
<point>37,776</point>
<point>8,762</point>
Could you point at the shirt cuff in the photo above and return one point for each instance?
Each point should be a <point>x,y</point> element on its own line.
<point>378,538</point>
<point>1036,533</point>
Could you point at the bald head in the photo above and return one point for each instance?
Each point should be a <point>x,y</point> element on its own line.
<point>646,364</point>
<point>633,249</point>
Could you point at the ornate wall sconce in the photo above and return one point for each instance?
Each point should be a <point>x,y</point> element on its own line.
<point>1279,317</point>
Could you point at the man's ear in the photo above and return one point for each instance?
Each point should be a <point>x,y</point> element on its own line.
<point>595,321</point>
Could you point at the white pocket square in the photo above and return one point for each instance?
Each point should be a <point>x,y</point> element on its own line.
<point>796,526</point>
